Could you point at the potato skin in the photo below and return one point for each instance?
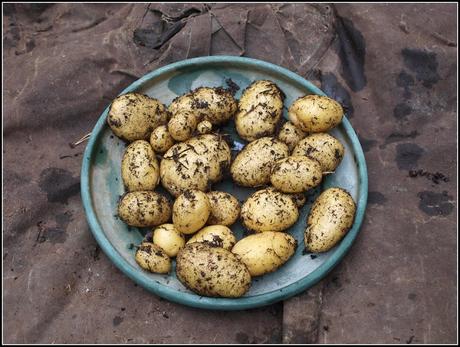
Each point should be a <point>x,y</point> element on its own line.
<point>269,210</point>
<point>225,208</point>
<point>265,252</point>
<point>144,209</point>
<point>204,127</point>
<point>216,236</point>
<point>291,135</point>
<point>326,149</point>
<point>315,113</point>
<point>133,116</point>
<point>212,271</point>
<point>191,210</point>
<point>182,125</point>
<point>259,110</point>
<point>330,218</point>
<point>152,258</point>
<point>161,140</point>
<point>296,174</point>
<point>169,239</point>
<point>139,167</point>
<point>252,166</point>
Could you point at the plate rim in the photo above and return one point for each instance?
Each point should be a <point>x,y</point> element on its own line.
<point>192,299</point>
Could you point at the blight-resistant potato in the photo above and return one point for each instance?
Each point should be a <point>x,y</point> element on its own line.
<point>252,166</point>
<point>161,140</point>
<point>330,218</point>
<point>291,135</point>
<point>225,208</point>
<point>133,116</point>
<point>139,167</point>
<point>191,210</point>
<point>259,110</point>
<point>296,174</point>
<point>315,113</point>
<point>152,258</point>
<point>216,236</point>
<point>144,209</point>
<point>269,210</point>
<point>265,252</point>
<point>212,271</point>
<point>169,239</point>
<point>324,148</point>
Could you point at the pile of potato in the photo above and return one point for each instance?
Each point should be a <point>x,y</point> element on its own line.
<point>181,148</point>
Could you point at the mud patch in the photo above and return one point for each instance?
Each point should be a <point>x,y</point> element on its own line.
<point>59,185</point>
<point>435,204</point>
<point>423,63</point>
<point>407,155</point>
<point>376,198</point>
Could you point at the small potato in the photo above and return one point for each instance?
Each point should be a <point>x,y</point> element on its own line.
<point>259,110</point>
<point>191,210</point>
<point>212,271</point>
<point>139,167</point>
<point>152,258</point>
<point>204,127</point>
<point>161,140</point>
<point>144,209</point>
<point>216,236</point>
<point>296,174</point>
<point>133,116</point>
<point>182,125</point>
<point>269,210</point>
<point>326,149</point>
<point>315,113</point>
<point>169,239</point>
<point>330,218</point>
<point>290,135</point>
<point>265,252</point>
<point>252,166</point>
<point>225,208</point>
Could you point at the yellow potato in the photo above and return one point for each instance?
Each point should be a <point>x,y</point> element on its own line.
<point>169,239</point>
<point>225,208</point>
<point>216,236</point>
<point>204,127</point>
<point>161,140</point>
<point>291,135</point>
<point>144,209</point>
<point>152,258</point>
<point>182,125</point>
<point>296,174</point>
<point>191,210</point>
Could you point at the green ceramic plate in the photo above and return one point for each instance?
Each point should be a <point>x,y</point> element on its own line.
<point>101,184</point>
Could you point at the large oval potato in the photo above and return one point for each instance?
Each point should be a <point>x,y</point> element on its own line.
<point>191,211</point>
<point>291,135</point>
<point>252,166</point>
<point>265,252</point>
<point>133,116</point>
<point>139,167</point>
<point>152,258</point>
<point>296,174</point>
<point>259,110</point>
<point>169,239</point>
<point>269,210</point>
<point>225,208</point>
<point>315,113</point>
<point>330,218</point>
<point>161,140</point>
<point>215,235</point>
<point>212,271</point>
<point>144,209</point>
<point>326,149</point>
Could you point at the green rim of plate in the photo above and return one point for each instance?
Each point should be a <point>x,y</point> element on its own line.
<point>191,299</point>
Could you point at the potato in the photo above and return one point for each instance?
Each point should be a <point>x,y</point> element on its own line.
<point>216,236</point>
<point>252,166</point>
<point>330,218</point>
<point>299,199</point>
<point>161,140</point>
<point>296,174</point>
<point>265,252</point>
<point>269,210</point>
<point>169,239</point>
<point>225,208</point>
<point>212,271</point>
<point>191,211</point>
<point>152,258</point>
<point>290,135</point>
<point>139,167</point>
<point>133,116</point>
<point>194,164</point>
<point>259,110</point>
<point>144,209</point>
<point>326,149</point>
<point>182,125</point>
<point>315,113</point>
<point>204,127</point>
<point>215,105</point>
